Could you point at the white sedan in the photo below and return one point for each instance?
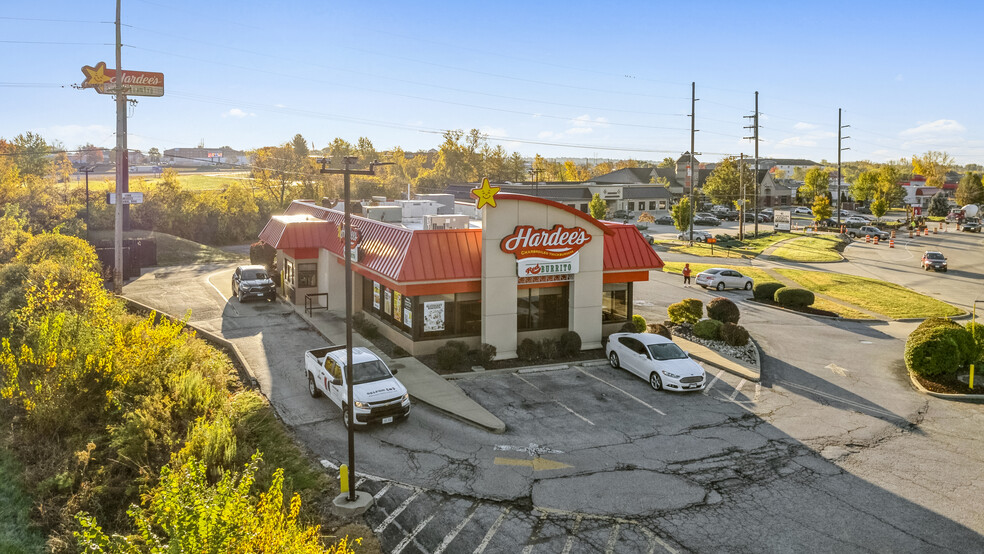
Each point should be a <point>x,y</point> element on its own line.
<point>720,279</point>
<point>656,359</point>
<point>699,236</point>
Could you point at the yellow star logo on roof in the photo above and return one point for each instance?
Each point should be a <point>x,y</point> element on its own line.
<point>485,194</point>
<point>95,75</point>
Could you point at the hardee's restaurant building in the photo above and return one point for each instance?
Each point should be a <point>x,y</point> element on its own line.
<point>535,269</point>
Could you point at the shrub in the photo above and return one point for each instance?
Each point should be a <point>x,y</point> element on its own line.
<point>570,344</point>
<point>734,334</point>
<point>483,355</point>
<point>659,329</point>
<point>640,323</point>
<point>688,310</point>
<point>549,349</point>
<point>458,345</point>
<point>791,297</point>
<point>708,329</point>
<point>766,291</point>
<point>976,331</point>
<point>450,357</point>
<point>723,310</point>
<point>528,350</point>
<point>932,352</point>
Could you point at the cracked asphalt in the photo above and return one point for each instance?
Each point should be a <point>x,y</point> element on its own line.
<point>811,459</point>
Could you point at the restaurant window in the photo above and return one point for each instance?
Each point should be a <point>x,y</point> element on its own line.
<point>631,206</point>
<point>544,308</point>
<point>584,208</point>
<point>307,275</point>
<point>662,204</point>
<point>652,205</point>
<point>468,313</point>
<point>615,302</point>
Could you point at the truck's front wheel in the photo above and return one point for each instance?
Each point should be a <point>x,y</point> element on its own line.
<point>345,416</point>
<point>313,387</point>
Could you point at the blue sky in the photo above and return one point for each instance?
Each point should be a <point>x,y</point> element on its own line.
<point>562,79</point>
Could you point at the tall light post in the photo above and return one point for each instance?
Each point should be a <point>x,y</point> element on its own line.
<point>87,169</point>
<point>346,171</point>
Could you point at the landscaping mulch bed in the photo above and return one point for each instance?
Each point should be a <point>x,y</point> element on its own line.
<point>743,353</point>
<point>430,361</point>
<point>949,384</point>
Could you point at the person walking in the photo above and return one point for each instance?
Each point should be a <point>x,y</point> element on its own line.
<point>686,275</point>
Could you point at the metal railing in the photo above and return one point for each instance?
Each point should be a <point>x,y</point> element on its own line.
<point>310,305</point>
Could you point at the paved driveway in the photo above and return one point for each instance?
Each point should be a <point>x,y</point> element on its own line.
<point>815,458</point>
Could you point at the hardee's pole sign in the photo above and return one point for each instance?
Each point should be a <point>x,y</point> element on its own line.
<point>135,83</point>
<point>545,252</point>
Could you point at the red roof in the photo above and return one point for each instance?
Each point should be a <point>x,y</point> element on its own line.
<point>407,256</point>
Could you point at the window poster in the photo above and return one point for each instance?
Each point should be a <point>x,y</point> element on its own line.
<point>375,295</point>
<point>408,313</point>
<point>397,305</point>
<point>388,302</point>
<point>433,316</point>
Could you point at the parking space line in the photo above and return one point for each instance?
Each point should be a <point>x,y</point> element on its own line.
<point>399,510</point>
<point>714,380</point>
<point>654,540</point>
<point>558,402</point>
<point>758,390</point>
<point>406,540</point>
<point>382,491</point>
<point>454,532</point>
<point>737,389</point>
<point>570,538</point>
<point>536,531</point>
<point>857,405</point>
<point>622,391</point>
<point>492,531</point>
<point>612,539</point>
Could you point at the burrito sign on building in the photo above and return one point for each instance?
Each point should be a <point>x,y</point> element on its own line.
<point>542,252</point>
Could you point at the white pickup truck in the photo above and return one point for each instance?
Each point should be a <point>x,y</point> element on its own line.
<point>379,396</point>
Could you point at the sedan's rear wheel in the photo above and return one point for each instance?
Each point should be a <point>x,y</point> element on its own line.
<point>655,382</point>
<point>613,359</point>
<point>720,286</point>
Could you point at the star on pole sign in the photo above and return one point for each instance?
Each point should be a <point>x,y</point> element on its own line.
<point>485,194</point>
<point>95,76</point>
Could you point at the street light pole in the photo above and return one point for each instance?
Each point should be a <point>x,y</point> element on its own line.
<point>87,169</point>
<point>348,162</point>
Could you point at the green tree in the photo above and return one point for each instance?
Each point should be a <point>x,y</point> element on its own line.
<point>366,151</point>
<point>154,155</point>
<point>667,162</point>
<point>865,186</point>
<point>724,184</point>
<point>682,214</point>
<point>970,190</point>
<point>821,207</point>
<point>597,207</point>
<point>939,205</point>
<point>31,154</point>
<point>516,168</point>
<point>889,176</point>
<point>934,166</point>
<point>879,207</point>
<point>816,183</point>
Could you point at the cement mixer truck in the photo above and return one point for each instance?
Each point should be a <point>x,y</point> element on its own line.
<point>971,222</point>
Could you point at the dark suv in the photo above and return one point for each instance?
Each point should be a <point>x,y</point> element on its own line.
<point>934,260</point>
<point>251,281</point>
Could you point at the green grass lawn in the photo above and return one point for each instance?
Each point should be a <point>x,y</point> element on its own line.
<point>815,248</point>
<point>881,297</point>
<point>757,275</point>
<point>16,533</point>
<point>172,250</point>
<point>189,181</point>
<point>749,249</point>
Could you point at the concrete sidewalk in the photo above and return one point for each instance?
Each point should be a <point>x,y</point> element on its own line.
<point>423,383</point>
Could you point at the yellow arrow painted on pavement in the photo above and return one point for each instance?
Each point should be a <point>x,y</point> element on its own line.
<point>538,463</point>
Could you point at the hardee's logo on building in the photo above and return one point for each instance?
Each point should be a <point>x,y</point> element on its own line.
<point>554,244</point>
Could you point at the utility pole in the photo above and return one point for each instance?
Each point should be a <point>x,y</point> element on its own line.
<point>690,166</point>
<point>121,158</point>
<point>741,205</point>
<point>347,237</point>
<point>87,169</point>
<point>535,179</point>
<point>839,150</point>
<point>755,137</point>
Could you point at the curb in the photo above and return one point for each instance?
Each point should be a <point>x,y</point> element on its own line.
<point>972,398</point>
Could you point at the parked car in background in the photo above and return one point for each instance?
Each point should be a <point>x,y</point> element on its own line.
<point>657,359</point>
<point>868,230</point>
<point>707,220</point>
<point>972,224</point>
<point>855,220</point>
<point>802,211</point>
<point>699,236</point>
<point>720,279</point>
<point>934,260</point>
<point>252,281</point>
<point>664,220</point>
<point>621,214</point>
<point>730,215</point>
<point>863,210</point>
<point>762,218</point>
<point>827,222</point>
